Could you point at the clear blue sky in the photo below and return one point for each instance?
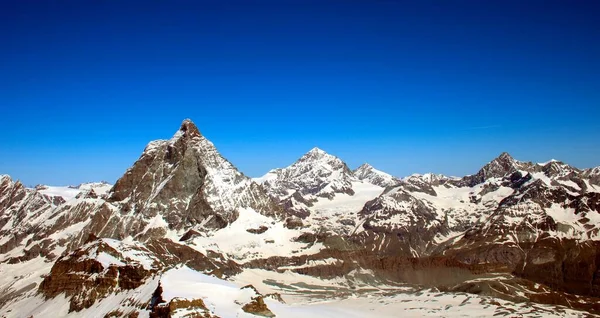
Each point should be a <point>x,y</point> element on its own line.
<point>408,86</point>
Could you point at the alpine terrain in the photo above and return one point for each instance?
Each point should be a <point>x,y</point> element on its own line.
<point>184,233</point>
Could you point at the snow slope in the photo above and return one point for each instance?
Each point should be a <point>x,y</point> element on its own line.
<point>226,299</point>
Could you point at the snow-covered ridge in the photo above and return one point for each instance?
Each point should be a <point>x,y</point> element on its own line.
<point>368,173</point>
<point>66,192</point>
<point>70,192</point>
<point>547,162</point>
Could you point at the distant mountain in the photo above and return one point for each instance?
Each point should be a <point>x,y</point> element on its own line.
<point>315,175</point>
<point>183,231</point>
<point>70,192</point>
<point>367,173</point>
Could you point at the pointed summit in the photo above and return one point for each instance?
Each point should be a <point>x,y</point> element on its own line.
<point>317,150</point>
<point>505,156</point>
<point>318,155</point>
<point>363,170</point>
<point>502,166</point>
<point>188,129</point>
<point>315,174</point>
<point>186,181</point>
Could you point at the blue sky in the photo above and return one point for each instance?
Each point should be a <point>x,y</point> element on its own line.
<point>408,86</point>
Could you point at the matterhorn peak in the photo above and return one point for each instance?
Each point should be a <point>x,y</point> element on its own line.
<point>188,129</point>
<point>188,169</point>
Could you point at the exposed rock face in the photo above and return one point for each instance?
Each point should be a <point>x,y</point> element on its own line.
<point>593,175</point>
<point>418,183</point>
<point>189,178</point>
<point>171,253</point>
<point>194,308</point>
<point>93,272</point>
<point>500,167</point>
<point>177,307</point>
<point>503,197</point>
<point>19,209</point>
<point>257,305</point>
<point>408,223</point>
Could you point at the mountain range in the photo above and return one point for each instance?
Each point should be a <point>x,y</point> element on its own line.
<point>183,232</point>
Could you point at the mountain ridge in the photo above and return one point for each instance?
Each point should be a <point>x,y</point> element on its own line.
<point>512,224</point>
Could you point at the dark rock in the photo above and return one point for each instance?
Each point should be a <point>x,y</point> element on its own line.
<point>259,230</point>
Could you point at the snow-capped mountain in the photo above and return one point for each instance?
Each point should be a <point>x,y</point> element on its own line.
<point>186,182</point>
<point>367,173</point>
<point>451,205</point>
<point>315,174</point>
<point>184,232</point>
<point>509,214</point>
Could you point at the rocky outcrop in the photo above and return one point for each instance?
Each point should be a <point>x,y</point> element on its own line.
<point>500,167</point>
<point>564,265</point>
<point>91,273</point>
<point>171,253</point>
<point>20,207</point>
<point>159,308</point>
<point>191,308</point>
<point>258,307</point>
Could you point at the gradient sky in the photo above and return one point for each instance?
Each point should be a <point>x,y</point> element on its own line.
<point>408,86</point>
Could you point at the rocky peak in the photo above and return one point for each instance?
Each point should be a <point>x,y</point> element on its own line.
<point>5,178</point>
<point>593,174</point>
<point>189,129</point>
<point>315,175</point>
<point>502,166</point>
<point>187,180</point>
<point>368,173</point>
<point>364,167</point>
<point>555,168</point>
<point>316,151</point>
<point>318,155</point>
<point>505,156</point>
<point>314,171</point>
